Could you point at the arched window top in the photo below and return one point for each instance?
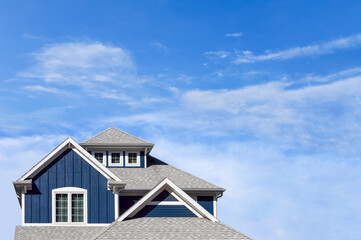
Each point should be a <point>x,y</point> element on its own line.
<point>69,189</point>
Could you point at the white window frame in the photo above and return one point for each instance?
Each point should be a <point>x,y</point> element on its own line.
<point>69,191</point>
<point>137,164</point>
<point>104,157</point>
<point>120,159</point>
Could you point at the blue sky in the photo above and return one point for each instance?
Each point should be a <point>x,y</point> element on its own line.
<point>260,97</point>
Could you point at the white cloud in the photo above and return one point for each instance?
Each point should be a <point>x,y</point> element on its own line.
<point>315,49</point>
<point>82,64</point>
<point>219,54</point>
<point>233,34</point>
<point>323,117</point>
<point>38,88</point>
<point>277,196</point>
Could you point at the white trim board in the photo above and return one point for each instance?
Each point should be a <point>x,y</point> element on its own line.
<point>70,143</point>
<point>174,189</point>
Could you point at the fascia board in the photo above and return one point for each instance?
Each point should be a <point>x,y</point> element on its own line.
<point>79,150</point>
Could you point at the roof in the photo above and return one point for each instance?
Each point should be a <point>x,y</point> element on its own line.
<point>170,228</point>
<point>167,184</point>
<point>157,170</point>
<point>113,136</point>
<point>56,232</point>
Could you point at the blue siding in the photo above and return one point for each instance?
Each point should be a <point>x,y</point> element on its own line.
<point>69,170</point>
<point>165,211</point>
<point>164,196</point>
<point>206,202</point>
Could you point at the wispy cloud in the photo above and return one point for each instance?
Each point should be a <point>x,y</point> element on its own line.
<point>78,63</point>
<point>233,34</point>
<point>219,54</point>
<point>307,117</point>
<point>310,50</point>
<point>160,46</point>
<point>98,70</point>
<point>38,88</point>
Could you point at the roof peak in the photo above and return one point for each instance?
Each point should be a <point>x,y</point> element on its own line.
<point>115,137</point>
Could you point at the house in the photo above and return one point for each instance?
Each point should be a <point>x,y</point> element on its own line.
<point>110,187</point>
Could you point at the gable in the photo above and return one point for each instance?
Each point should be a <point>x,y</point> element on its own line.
<point>184,206</point>
<point>69,143</point>
<point>69,170</point>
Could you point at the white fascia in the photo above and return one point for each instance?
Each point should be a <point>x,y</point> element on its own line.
<point>165,184</point>
<point>70,143</point>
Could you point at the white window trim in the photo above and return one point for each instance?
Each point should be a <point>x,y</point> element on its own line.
<point>69,191</point>
<point>120,164</point>
<point>104,157</point>
<point>132,164</point>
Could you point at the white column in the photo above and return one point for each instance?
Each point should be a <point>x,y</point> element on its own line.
<point>116,205</point>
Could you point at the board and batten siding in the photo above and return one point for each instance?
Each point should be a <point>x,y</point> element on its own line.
<point>69,170</point>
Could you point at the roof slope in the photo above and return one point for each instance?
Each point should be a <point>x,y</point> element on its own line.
<point>56,232</point>
<point>114,136</point>
<point>170,228</point>
<point>157,170</point>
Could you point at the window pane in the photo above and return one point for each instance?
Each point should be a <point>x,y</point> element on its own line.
<point>115,157</point>
<point>77,208</point>
<point>132,157</point>
<point>99,157</point>
<point>61,208</point>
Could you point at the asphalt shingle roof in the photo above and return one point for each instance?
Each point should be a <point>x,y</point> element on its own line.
<point>56,232</point>
<point>157,170</point>
<point>113,135</point>
<point>170,228</point>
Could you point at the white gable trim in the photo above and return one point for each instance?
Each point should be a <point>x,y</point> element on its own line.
<point>70,143</point>
<point>181,195</point>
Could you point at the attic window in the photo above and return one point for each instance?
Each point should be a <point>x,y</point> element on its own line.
<point>132,159</point>
<point>100,156</point>
<point>115,159</point>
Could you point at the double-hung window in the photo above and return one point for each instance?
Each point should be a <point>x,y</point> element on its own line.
<point>115,159</point>
<point>69,205</point>
<point>100,156</point>
<point>132,159</point>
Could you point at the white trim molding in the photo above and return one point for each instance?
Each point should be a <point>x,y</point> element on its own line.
<point>69,143</point>
<point>127,164</point>
<point>120,164</point>
<point>69,191</point>
<point>167,184</point>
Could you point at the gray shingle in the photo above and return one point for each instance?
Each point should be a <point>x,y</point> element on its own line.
<point>170,228</point>
<point>147,178</point>
<point>56,232</point>
<point>114,136</point>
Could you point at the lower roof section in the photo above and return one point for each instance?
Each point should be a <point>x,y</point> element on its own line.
<point>137,179</point>
<point>169,228</point>
<point>56,232</point>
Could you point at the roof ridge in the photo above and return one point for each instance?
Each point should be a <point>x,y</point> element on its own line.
<point>128,134</point>
<point>115,133</point>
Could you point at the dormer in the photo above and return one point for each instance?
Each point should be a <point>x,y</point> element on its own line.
<point>117,149</point>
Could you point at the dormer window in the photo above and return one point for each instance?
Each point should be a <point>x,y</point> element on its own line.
<point>115,159</point>
<point>132,159</point>
<point>100,156</point>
